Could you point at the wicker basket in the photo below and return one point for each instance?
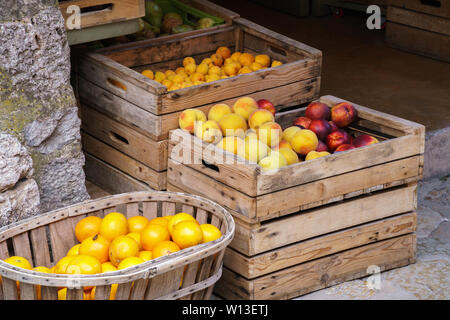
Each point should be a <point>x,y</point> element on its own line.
<point>187,274</point>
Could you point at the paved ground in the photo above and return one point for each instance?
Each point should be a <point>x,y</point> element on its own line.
<point>429,277</point>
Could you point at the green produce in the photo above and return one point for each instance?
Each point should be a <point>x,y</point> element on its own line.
<point>170,21</point>
<point>153,13</point>
<point>205,23</point>
<point>182,28</point>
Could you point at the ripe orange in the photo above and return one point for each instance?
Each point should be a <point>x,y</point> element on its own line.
<point>84,264</point>
<point>145,255</point>
<point>224,52</point>
<point>217,59</point>
<point>181,216</point>
<point>235,56</point>
<point>122,247</point>
<point>263,59</point>
<point>137,223</point>
<point>164,248</point>
<point>152,234</point>
<point>188,60</point>
<point>149,74</point>
<point>61,265</point>
<point>114,224</point>
<point>187,233</point>
<point>276,63</point>
<point>161,221</point>
<point>62,293</point>
<point>74,251</point>
<point>87,227</point>
<point>246,59</point>
<point>137,237</point>
<point>129,262</point>
<point>108,267</point>
<point>96,246</point>
<point>210,232</point>
<point>19,261</point>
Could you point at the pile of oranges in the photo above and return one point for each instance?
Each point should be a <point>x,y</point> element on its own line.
<point>116,242</point>
<point>220,65</point>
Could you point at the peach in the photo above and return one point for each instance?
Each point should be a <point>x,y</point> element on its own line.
<point>333,126</point>
<point>209,131</point>
<point>252,149</point>
<point>188,118</point>
<point>304,141</point>
<point>266,104</point>
<point>233,124</point>
<point>315,154</point>
<point>274,160</point>
<point>290,155</point>
<point>230,144</point>
<point>270,133</point>
<point>321,146</point>
<point>343,114</point>
<point>344,147</point>
<point>259,117</point>
<point>336,138</point>
<point>320,127</point>
<point>218,111</point>
<point>245,106</point>
<point>289,132</point>
<point>304,122</point>
<point>364,140</point>
<point>284,144</point>
<point>231,69</point>
<point>317,110</point>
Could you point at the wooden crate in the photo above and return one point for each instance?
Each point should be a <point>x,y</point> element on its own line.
<point>187,274</point>
<point>439,8</point>
<point>419,33</point>
<point>324,221</point>
<point>100,12</point>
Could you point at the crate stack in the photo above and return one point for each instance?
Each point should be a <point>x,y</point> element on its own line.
<point>421,27</point>
<point>316,223</point>
<point>126,117</point>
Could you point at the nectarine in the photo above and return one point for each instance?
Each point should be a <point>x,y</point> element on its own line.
<point>245,106</point>
<point>259,117</point>
<point>233,124</point>
<point>317,110</point>
<point>344,113</point>
<point>320,127</point>
<point>270,133</point>
<point>188,118</point>
<point>304,141</point>
<point>218,111</point>
<point>336,138</point>
<point>364,140</point>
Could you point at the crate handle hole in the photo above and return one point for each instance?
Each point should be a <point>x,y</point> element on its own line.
<point>433,3</point>
<point>278,51</point>
<point>210,166</point>
<point>118,138</point>
<point>116,84</point>
<point>91,9</point>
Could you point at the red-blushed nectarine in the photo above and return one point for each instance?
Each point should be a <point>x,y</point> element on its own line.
<point>344,147</point>
<point>342,114</point>
<point>364,140</point>
<point>333,126</point>
<point>317,110</point>
<point>266,104</point>
<point>336,138</point>
<point>304,122</point>
<point>322,147</point>
<point>320,127</point>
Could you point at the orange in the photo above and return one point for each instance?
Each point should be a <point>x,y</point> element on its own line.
<point>235,56</point>
<point>190,68</point>
<point>38,287</point>
<point>84,264</point>
<point>217,59</point>
<point>61,265</point>
<point>114,224</point>
<point>19,261</point>
<point>137,237</point>
<point>263,59</point>
<point>129,262</point>
<point>161,221</point>
<point>224,52</point>
<point>159,76</point>
<point>145,255</point>
<point>122,247</point>
<point>186,234</point>
<point>188,60</point>
<point>276,63</point>
<point>62,293</point>
<point>245,69</point>
<point>196,76</point>
<point>255,66</point>
<point>137,223</point>
<point>181,216</point>
<point>202,68</point>
<point>152,234</point>
<point>246,59</point>
<point>210,232</point>
<point>164,248</point>
<point>96,246</point>
<point>149,74</point>
<point>87,227</point>
<point>74,251</point>
<point>108,267</point>
<point>180,70</point>
<point>169,73</point>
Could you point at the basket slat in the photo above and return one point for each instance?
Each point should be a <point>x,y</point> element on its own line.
<point>102,292</point>
<point>9,289</point>
<point>190,273</point>
<point>132,209</point>
<point>74,294</point>
<point>3,250</point>
<point>49,293</point>
<point>62,238</point>
<point>39,243</point>
<point>123,290</point>
<point>164,283</point>
<point>27,291</point>
<point>21,244</point>
<point>203,274</point>
<point>201,216</point>
<point>168,209</point>
<point>138,290</point>
<point>150,210</point>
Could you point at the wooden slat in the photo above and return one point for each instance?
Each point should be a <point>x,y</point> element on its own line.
<point>277,259</point>
<point>21,244</point>
<point>74,294</point>
<point>3,250</point>
<point>102,292</point>
<point>150,210</point>
<point>163,284</point>
<point>189,275</point>
<point>27,291</point>
<point>132,209</point>
<point>139,289</point>
<point>123,290</point>
<point>440,8</point>
<point>203,273</point>
<point>168,209</point>
<point>38,238</point>
<point>62,238</point>
<point>49,293</point>
<point>9,287</point>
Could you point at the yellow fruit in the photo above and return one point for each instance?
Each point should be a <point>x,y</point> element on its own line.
<point>96,246</point>
<point>214,70</point>
<point>245,69</point>
<point>114,224</point>
<point>218,111</point>
<point>202,68</point>
<point>161,221</point>
<point>196,76</point>
<point>178,79</point>
<point>149,74</point>
<point>233,124</point>
<point>231,144</point>
<point>276,63</point>
<point>224,52</point>
<point>137,223</point>
<point>75,250</point>
<point>231,69</point>
<point>164,248</point>
<point>129,262</point>
<point>190,68</point>
<point>159,76</point>
<point>246,59</point>
<point>87,227</point>
<point>84,264</point>
<point>289,133</point>
<point>187,234</point>
<point>145,255</point>
<point>19,261</point>
<point>108,267</point>
<point>152,234</point>
<point>253,149</point>
<point>180,70</point>
<point>235,56</point>
<point>274,160</point>
<point>169,73</point>
<point>122,247</point>
<point>290,155</point>
<point>188,60</point>
<point>208,131</point>
<point>217,59</point>
<point>137,237</point>
<point>181,216</point>
<point>62,264</point>
<point>167,83</point>
<point>210,232</point>
<point>255,66</point>
<point>62,293</point>
<point>263,60</point>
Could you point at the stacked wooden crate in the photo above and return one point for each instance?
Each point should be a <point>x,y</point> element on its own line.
<point>420,26</point>
<point>126,117</point>
<point>316,223</point>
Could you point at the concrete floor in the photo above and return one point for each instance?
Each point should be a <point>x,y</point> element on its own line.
<point>360,67</point>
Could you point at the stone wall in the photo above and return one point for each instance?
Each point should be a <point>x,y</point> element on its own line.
<point>37,103</point>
